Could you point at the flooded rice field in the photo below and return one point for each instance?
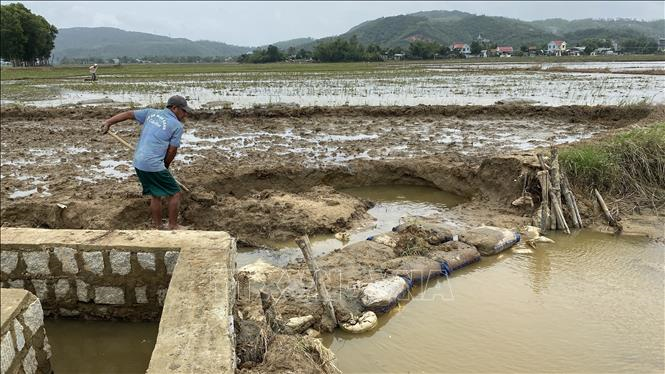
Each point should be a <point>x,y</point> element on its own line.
<point>591,303</point>
<point>390,83</point>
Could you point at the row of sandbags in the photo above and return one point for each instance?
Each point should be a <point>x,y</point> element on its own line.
<point>444,256</point>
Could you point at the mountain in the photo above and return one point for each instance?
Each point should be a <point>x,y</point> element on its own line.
<point>286,44</point>
<point>651,29</point>
<point>108,42</point>
<point>446,27</point>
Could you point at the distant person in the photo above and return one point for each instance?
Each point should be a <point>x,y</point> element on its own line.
<point>156,149</point>
<point>93,72</point>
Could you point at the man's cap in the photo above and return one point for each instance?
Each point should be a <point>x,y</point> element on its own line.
<point>180,102</point>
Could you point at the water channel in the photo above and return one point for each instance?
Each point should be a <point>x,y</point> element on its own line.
<point>591,302</point>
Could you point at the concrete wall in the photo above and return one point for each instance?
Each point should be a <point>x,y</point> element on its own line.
<point>130,275</point>
<point>91,281</point>
<point>25,347</point>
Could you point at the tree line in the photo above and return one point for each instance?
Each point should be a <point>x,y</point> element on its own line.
<point>26,39</point>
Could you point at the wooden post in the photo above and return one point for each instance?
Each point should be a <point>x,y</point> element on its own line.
<point>306,248</point>
<point>273,319</point>
<point>556,184</point>
<point>570,202</point>
<point>543,177</point>
<point>613,222</point>
<point>556,206</point>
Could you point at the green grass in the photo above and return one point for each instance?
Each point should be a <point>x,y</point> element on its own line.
<point>630,164</point>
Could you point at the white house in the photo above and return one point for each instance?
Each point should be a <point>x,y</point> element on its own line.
<point>462,47</point>
<point>556,47</point>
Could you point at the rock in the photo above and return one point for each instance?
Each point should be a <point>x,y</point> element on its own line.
<point>385,239</point>
<point>297,325</point>
<point>357,325</point>
<point>343,236</point>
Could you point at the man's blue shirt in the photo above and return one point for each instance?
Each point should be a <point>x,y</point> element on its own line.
<point>161,128</point>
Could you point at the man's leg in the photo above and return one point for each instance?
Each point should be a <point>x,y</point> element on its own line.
<point>156,211</point>
<point>174,206</point>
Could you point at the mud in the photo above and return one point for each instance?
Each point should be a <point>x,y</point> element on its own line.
<point>271,173</point>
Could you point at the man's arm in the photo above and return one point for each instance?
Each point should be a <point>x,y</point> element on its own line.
<point>106,125</point>
<point>170,155</point>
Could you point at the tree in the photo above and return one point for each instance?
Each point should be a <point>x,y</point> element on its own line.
<point>26,38</point>
<point>475,48</point>
<point>422,49</point>
<point>338,50</point>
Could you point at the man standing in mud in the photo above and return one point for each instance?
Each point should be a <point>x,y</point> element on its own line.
<point>93,72</point>
<point>156,149</point>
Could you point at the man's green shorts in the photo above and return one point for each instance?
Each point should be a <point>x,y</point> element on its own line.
<point>158,183</point>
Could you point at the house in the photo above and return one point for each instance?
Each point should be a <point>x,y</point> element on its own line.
<point>533,50</point>
<point>483,53</point>
<point>661,44</point>
<point>576,51</point>
<point>398,56</point>
<point>461,47</point>
<point>556,47</point>
<point>504,51</point>
<point>602,51</point>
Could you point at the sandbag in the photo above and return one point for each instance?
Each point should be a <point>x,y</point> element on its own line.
<point>358,325</point>
<point>381,296</point>
<point>387,238</point>
<point>437,232</point>
<point>415,268</point>
<point>456,254</point>
<point>490,240</point>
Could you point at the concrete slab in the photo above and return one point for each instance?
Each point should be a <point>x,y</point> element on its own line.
<point>11,300</point>
<point>196,329</point>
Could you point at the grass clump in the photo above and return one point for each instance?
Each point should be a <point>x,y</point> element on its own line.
<point>628,166</point>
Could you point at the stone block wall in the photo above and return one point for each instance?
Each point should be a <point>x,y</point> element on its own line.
<point>95,282</point>
<point>25,347</point>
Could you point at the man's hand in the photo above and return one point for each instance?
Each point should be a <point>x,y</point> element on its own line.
<point>105,127</point>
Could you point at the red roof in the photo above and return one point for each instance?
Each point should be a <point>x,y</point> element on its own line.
<point>504,49</point>
<point>458,45</point>
<point>557,42</point>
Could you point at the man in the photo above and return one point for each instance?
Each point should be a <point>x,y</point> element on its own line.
<point>156,149</point>
<point>93,72</point>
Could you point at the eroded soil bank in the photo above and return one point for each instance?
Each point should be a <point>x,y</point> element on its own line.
<point>271,173</point>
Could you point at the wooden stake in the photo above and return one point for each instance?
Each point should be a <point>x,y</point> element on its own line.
<point>556,183</point>
<point>543,177</point>
<point>570,202</point>
<point>613,222</point>
<point>561,221</point>
<point>306,248</point>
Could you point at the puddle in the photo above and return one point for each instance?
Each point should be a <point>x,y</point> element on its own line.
<point>589,303</point>
<point>100,346</point>
<point>392,203</point>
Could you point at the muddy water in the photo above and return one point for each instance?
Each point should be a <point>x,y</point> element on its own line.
<point>100,346</point>
<point>392,203</point>
<point>590,303</point>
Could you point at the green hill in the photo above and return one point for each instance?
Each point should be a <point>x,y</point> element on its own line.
<point>446,27</point>
<point>108,42</point>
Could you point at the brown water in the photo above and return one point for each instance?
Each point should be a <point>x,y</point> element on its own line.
<point>100,346</point>
<point>392,203</point>
<point>591,303</point>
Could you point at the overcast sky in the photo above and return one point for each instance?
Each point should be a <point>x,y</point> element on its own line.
<point>262,22</point>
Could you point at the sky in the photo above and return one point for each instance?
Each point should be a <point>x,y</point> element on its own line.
<point>257,23</point>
